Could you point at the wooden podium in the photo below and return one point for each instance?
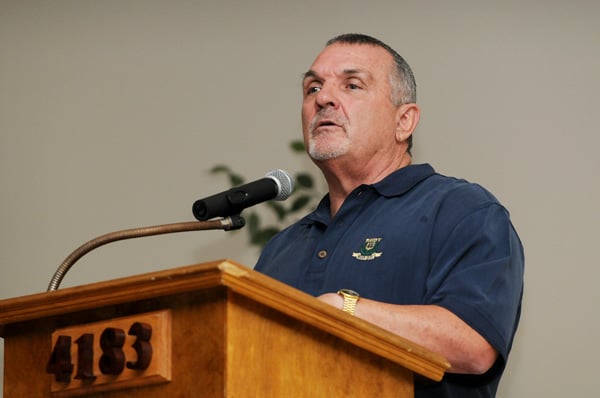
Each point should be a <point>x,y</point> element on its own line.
<point>211,330</point>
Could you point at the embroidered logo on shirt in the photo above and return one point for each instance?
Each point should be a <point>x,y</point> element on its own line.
<point>368,250</point>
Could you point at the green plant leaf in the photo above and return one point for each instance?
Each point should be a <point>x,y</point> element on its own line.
<point>262,236</point>
<point>236,179</point>
<point>220,168</point>
<point>279,210</point>
<point>252,223</point>
<point>297,146</point>
<point>304,180</point>
<point>300,202</point>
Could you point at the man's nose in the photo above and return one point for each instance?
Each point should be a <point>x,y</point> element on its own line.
<point>326,97</point>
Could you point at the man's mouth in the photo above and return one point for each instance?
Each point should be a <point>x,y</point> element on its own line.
<point>325,123</point>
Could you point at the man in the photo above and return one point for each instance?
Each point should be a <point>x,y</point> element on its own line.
<point>434,259</point>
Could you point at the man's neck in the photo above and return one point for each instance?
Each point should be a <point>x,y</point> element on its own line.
<point>344,177</point>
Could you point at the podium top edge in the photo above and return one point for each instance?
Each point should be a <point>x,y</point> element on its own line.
<point>114,291</point>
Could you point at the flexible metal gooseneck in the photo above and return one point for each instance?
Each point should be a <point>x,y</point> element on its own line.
<point>227,224</point>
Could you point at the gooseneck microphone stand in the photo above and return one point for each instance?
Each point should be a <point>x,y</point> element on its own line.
<point>227,224</point>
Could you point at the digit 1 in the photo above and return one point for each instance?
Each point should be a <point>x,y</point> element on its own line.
<point>112,360</point>
<point>85,357</point>
<point>60,364</point>
<point>142,346</point>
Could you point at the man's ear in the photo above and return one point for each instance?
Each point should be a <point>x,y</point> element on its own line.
<point>407,118</point>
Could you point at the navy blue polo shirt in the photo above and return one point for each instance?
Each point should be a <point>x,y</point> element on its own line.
<point>416,237</point>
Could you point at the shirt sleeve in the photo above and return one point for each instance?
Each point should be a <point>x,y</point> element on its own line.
<point>477,269</point>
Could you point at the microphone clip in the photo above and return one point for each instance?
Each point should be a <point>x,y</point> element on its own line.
<point>234,222</point>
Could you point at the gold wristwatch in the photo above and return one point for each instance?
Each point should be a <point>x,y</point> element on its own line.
<point>350,299</point>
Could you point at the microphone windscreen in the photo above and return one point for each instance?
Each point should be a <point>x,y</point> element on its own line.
<point>284,183</point>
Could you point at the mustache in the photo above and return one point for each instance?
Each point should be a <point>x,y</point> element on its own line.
<point>327,116</point>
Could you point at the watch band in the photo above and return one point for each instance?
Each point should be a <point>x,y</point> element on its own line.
<point>350,299</point>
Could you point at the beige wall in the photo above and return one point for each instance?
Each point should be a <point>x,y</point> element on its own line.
<point>111,113</point>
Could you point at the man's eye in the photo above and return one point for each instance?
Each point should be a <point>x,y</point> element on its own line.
<point>353,86</point>
<point>312,89</point>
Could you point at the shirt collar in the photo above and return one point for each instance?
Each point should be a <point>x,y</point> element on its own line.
<point>395,184</point>
<point>403,180</point>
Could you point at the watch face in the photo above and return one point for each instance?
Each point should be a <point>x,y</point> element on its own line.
<point>349,292</point>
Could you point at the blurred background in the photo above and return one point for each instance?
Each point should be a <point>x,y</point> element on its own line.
<point>113,112</point>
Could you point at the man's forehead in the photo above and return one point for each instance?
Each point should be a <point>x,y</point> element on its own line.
<point>345,59</point>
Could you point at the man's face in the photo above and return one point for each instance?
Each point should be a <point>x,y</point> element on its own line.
<point>347,108</point>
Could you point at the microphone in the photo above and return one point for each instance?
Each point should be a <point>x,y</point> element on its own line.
<point>276,185</point>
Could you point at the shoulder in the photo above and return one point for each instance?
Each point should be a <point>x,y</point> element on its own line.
<point>421,182</point>
<point>458,193</point>
<point>453,202</point>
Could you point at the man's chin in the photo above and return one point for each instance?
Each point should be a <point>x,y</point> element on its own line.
<point>320,155</point>
<point>322,148</point>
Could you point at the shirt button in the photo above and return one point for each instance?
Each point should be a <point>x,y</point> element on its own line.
<point>322,253</point>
